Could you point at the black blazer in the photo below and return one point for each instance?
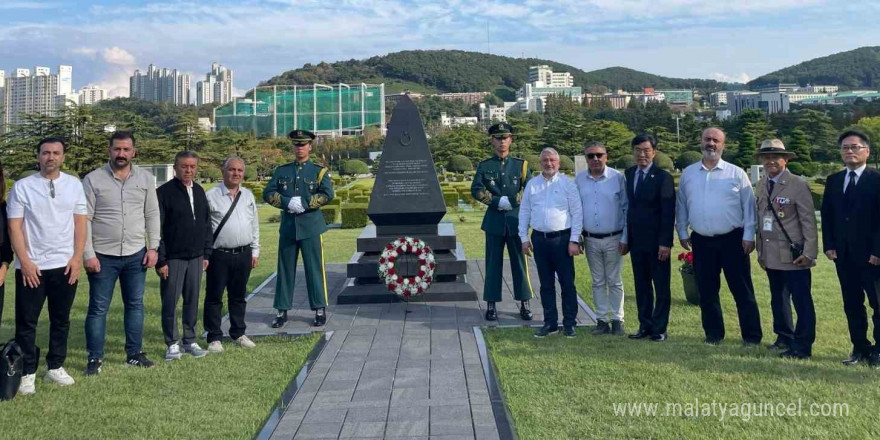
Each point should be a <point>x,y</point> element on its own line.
<point>183,237</point>
<point>650,218</point>
<point>852,229</point>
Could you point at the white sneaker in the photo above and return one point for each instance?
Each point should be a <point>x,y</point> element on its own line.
<point>59,376</point>
<point>27,384</point>
<point>245,342</point>
<point>194,350</point>
<point>173,352</point>
<point>215,347</point>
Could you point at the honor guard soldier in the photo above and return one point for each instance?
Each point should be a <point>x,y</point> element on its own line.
<point>498,183</point>
<point>299,189</point>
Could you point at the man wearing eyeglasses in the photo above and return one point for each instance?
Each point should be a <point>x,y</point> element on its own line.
<point>498,183</point>
<point>602,191</point>
<point>47,226</point>
<point>716,201</point>
<point>851,238</point>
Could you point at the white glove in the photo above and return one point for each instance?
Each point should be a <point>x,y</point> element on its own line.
<point>295,206</point>
<point>504,204</point>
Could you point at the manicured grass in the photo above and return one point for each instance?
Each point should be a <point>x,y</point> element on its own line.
<point>566,388</point>
<point>220,396</point>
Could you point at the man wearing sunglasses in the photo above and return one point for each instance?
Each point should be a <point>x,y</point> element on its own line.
<point>851,239</point>
<point>47,226</point>
<point>603,195</point>
<point>299,189</point>
<point>498,183</point>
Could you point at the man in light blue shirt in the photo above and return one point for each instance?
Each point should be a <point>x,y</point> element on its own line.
<point>550,206</point>
<point>716,200</point>
<point>602,192</point>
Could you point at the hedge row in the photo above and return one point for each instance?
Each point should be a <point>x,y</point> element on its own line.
<point>354,215</point>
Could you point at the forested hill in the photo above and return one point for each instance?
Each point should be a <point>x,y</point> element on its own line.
<point>460,71</point>
<point>854,69</point>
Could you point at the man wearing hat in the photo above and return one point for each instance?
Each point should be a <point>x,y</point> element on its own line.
<point>498,183</point>
<point>299,189</point>
<point>787,244</point>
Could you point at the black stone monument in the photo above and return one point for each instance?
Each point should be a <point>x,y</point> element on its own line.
<point>406,201</point>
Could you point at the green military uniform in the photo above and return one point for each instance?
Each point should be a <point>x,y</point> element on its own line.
<point>300,232</point>
<point>496,178</point>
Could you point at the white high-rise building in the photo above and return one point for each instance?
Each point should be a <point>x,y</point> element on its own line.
<point>549,78</point>
<point>91,94</point>
<point>160,85</point>
<point>41,93</point>
<point>216,87</point>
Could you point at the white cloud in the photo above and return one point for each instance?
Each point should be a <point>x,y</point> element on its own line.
<point>119,64</point>
<point>723,77</point>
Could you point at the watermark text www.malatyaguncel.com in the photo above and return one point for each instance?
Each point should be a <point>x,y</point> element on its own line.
<point>745,411</point>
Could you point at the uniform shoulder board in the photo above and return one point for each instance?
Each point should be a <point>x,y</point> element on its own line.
<point>321,172</point>
<point>484,161</point>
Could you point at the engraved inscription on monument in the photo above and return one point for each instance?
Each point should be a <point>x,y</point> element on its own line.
<point>405,178</point>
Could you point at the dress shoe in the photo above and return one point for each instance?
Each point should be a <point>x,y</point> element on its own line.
<point>320,318</point>
<point>854,359</point>
<point>791,354</point>
<point>547,329</point>
<point>524,311</point>
<point>569,332</point>
<point>641,334</point>
<point>778,345</point>
<point>873,360</point>
<point>280,319</point>
<point>617,327</point>
<point>659,338</point>
<point>602,328</point>
<point>491,313</point>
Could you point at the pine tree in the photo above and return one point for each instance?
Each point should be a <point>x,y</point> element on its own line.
<point>800,146</point>
<point>745,155</point>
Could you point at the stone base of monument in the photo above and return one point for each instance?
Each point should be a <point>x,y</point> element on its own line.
<point>364,286</point>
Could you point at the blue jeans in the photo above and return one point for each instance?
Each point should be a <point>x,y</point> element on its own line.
<point>131,274</point>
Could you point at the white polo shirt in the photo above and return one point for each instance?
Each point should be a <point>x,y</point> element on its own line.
<point>48,221</point>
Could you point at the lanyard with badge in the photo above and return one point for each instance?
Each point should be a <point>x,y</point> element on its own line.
<point>796,249</point>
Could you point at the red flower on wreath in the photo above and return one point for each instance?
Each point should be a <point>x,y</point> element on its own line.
<point>392,271</point>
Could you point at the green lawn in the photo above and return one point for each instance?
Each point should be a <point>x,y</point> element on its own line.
<point>567,388</point>
<point>220,396</point>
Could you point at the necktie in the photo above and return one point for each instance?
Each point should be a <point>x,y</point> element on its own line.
<point>852,183</point>
<point>770,185</point>
<point>639,181</point>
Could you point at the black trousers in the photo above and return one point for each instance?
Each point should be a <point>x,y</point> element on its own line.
<point>28,306</point>
<point>787,287</point>
<point>711,256</point>
<point>651,277</point>
<point>552,261</point>
<point>2,294</point>
<point>857,280</point>
<point>229,271</point>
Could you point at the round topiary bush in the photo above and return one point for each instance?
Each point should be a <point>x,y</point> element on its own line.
<point>687,158</point>
<point>459,164</point>
<point>354,167</point>
<point>624,162</point>
<point>565,163</point>
<point>663,161</point>
<point>534,162</point>
<point>796,168</point>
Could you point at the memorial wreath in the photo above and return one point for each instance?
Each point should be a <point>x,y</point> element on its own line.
<point>406,286</point>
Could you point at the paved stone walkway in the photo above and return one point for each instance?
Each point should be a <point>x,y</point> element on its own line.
<point>393,371</point>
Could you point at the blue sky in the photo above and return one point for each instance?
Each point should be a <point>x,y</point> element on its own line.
<point>722,39</point>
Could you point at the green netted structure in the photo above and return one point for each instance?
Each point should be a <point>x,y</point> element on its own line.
<point>274,111</point>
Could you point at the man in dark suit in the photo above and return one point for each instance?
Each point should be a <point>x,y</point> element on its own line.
<point>650,221</point>
<point>851,238</point>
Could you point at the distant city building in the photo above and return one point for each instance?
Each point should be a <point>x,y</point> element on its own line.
<point>722,113</point>
<point>550,78</point>
<point>799,96</point>
<point>683,99</point>
<point>160,85</point>
<point>216,87</point>
<point>204,124</point>
<point>41,93</point>
<point>821,89</point>
<point>91,94</point>
<point>718,99</point>
<point>451,121</point>
<point>769,102</point>
<point>469,98</point>
<point>495,113</point>
<point>778,88</point>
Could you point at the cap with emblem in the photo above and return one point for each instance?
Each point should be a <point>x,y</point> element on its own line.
<point>501,129</point>
<point>301,136</point>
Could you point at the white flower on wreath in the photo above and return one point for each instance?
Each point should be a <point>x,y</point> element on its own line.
<point>424,286</point>
<point>394,277</point>
<point>389,265</point>
<point>430,258</point>
<point>418,280</point>
<point>393,254</point>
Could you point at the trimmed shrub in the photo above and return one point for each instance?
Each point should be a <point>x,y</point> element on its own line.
<point>354,166</point>
<point>331,213</point>
<point>256,188</point>
<point>459,164</point>
<point>354,215</point>
<point>336,201</point>
<point>687,158</point>
<point>565,163</point>
<point>663,161</point>
<point>796,168</point>
<point>810,169</point>
<point>534,162</point>
<point>342,194</point>
<point>818,193</point>
<point>250,173</point>
<point>360,199</point>
<point>450,198</point>
<point>624,162</point>
<point>274,218</point>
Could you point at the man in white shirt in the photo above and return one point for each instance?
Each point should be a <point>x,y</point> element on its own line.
<point>551,207</point>
<point>236,229</point>
<point>602,192</point>
<point>47,227</point>
<point>716,200</point>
